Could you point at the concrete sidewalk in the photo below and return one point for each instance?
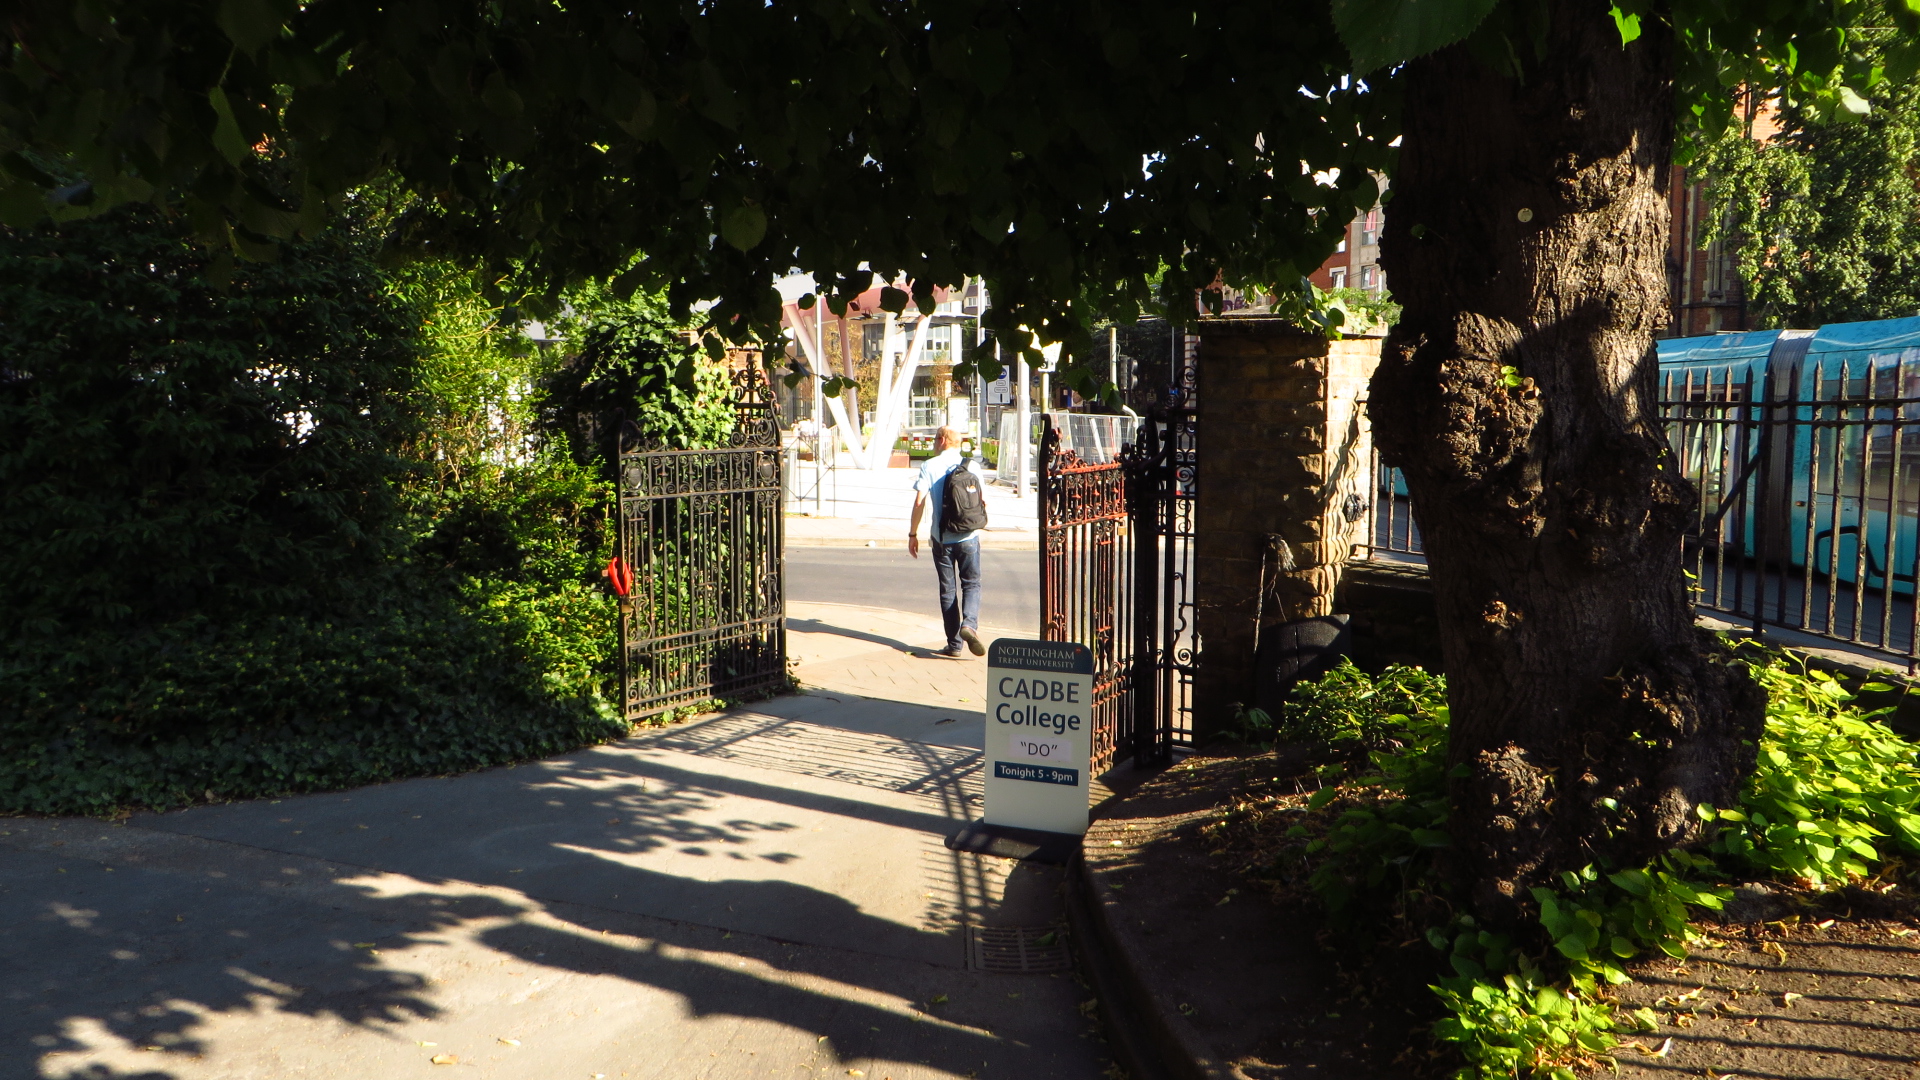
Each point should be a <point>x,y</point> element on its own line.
<point>762,892</point>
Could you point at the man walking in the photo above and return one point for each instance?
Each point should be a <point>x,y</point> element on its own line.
<point>959,514</point>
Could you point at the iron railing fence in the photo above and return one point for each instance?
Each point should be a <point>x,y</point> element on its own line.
<point>1808,498</point>
<point>1390,526</point>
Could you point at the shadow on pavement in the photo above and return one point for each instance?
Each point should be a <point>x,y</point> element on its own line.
<point>817,626</point>
<point>268,908</point>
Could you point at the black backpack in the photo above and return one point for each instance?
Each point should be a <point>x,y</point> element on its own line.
<point>963,506</point>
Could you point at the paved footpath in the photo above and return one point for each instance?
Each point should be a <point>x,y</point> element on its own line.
<point>756,893</point>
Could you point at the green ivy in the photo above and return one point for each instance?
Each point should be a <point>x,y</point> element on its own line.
<point>634,365</point>
<point>270,705</point>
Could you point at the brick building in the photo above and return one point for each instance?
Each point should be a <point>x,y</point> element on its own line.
<point>1703,283</point>
<point>1355,264</point>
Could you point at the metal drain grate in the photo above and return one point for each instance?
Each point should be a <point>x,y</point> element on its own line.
<point>1016,950</point>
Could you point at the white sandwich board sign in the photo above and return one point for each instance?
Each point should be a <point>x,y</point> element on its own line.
<point>1039,735</point>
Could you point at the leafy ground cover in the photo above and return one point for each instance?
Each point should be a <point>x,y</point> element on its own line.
<point>1358,825</point>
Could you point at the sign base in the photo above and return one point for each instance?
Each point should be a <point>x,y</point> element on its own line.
<point>1012,842</point>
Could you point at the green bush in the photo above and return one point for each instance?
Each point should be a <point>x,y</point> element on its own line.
<point>1347,709</point>
<point>302,532</point>
<point>167,448</point>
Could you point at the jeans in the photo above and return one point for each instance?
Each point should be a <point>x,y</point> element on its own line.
<point>959,568</point>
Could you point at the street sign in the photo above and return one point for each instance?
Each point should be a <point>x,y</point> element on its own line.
<point>1000,390</point>
<point>1039,735</point>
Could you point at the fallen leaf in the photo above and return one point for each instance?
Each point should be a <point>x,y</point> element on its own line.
<point>938,999</point>
<point>1665,1049</point>
<point>1680,999</point>
<point>1776,949</point>
<point>429,1044</point>
<point>1788,999</point>
<point>511,1042</point>
<point>857,1072</point>
<point>445,1059</point>
<point>1823,925</point>
<point>363,944</point>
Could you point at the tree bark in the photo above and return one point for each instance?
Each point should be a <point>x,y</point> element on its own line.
<point>1525,240</point>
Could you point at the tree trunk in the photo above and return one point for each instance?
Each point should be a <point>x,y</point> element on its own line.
<point>1525,241</point>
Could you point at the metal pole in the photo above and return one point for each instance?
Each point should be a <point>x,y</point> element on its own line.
<point>1144,504</point>
<point>1023,421</point>
<point>819,409</point>
<point>1113,357</point>
<point>979,386</point>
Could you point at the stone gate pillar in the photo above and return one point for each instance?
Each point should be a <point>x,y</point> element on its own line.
<point>1285,453</point>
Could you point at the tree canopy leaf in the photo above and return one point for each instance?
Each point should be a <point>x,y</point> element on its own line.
<point>1380,33</point>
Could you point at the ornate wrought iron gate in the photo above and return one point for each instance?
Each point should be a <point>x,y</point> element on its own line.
<point>1086,581</point>
<point>1116,573</point>
<point>700,533</point>
<point>1162,472</point>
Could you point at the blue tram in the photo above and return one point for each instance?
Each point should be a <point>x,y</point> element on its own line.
<point>1805,446</point>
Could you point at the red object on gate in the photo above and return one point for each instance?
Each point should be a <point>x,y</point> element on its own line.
<point>619,575</point>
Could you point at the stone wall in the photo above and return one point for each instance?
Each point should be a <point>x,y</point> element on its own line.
<point>1284,451</point>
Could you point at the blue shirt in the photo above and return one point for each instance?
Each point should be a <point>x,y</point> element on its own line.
<point>932,482</point>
